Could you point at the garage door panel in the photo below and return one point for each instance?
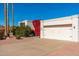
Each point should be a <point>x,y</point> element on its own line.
<point>63,33</point>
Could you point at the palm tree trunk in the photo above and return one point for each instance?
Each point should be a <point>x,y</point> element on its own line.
<point>7,20</point>
<point>12,17</point>
<point>5,17</point>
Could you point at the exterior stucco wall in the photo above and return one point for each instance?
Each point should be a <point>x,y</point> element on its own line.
<point>66,28</point>
<point>28,23</point>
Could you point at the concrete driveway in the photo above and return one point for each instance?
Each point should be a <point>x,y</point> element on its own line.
<point>34,46</point>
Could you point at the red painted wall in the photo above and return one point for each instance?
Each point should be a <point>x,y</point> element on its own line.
<point>36,24</point>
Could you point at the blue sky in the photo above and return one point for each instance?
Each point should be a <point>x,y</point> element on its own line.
<point>43,11</point>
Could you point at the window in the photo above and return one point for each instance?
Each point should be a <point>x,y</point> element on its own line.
<point>22,24</point>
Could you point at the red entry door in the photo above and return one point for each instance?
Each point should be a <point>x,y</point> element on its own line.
<point>36,24</point>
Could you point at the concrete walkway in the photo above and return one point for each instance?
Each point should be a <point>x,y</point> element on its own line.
<point>33,46</point>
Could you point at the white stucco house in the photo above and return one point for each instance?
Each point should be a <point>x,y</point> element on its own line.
<point>34,24</point>
<point>65,28</point>
<point>26,23</point>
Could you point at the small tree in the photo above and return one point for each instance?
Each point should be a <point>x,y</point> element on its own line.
<point>17,32</point>
<point>27,31</point>
<point>23,31</point>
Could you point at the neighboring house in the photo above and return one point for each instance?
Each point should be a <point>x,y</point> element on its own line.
<point>34,24</point>
<point>65,28</point>
<point>27,23</point>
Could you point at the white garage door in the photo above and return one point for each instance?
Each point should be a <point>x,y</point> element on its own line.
<point>61,33</point>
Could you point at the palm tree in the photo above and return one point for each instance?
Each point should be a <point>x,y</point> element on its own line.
<point>5,17</point>
<point>12,17</point>
<point>7,20</point>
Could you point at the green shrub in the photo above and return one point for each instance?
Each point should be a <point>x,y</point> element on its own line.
<point>27,31</point>
<point>1,34</point>
<point>17,32</point>
<point>23,31</point>
<point>18,36</point>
